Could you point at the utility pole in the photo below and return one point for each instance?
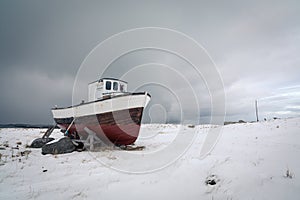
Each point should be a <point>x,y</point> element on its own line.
<point>256,110</point>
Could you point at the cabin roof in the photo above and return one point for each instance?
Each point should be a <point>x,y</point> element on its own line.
<point>113,79</point>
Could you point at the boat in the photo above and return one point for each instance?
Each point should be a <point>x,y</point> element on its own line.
<point>111,114</point>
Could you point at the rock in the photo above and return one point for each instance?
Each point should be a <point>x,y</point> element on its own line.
<point>79,146</point>
<point>212,180</point>
<point>25,153</point>
<point>40,142</point>
<point>64,145</point>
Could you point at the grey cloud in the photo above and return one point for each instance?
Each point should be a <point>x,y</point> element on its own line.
<point>254,44</point>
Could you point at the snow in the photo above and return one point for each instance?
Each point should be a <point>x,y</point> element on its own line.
<point>250,161</point>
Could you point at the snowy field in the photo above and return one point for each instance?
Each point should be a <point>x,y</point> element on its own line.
<point>250,161</point>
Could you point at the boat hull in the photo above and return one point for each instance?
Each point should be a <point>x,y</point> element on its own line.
<point>106,126</point>
<point>117,125</point>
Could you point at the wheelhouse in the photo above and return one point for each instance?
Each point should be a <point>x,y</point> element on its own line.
<point>106,87</point>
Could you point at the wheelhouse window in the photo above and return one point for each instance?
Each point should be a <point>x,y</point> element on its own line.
<point>108,85</point>
<point>115,86</point>
<point>122,88</point>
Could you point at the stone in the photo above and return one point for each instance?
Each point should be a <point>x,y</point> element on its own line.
<point>40,142</point>
<point>64,145</point>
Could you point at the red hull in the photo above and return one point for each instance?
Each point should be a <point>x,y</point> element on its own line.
<point>117,128</point>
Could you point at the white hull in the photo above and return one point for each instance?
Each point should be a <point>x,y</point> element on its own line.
<point>116,103</point>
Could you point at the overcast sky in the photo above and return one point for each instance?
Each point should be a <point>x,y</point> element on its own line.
<point>254,44</point>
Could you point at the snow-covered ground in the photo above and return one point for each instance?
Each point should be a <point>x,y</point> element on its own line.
<point>250,161</point>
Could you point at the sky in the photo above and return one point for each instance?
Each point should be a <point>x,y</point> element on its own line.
<point>254,45</point>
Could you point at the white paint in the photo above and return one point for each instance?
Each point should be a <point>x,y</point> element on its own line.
<point>98,107</point>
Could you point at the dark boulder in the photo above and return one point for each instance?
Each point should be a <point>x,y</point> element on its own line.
<point>40,142</point>
<point>64,145</point>
<point>212,180</point>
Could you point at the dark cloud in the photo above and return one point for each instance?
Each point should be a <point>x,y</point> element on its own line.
<point>254,44</point>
